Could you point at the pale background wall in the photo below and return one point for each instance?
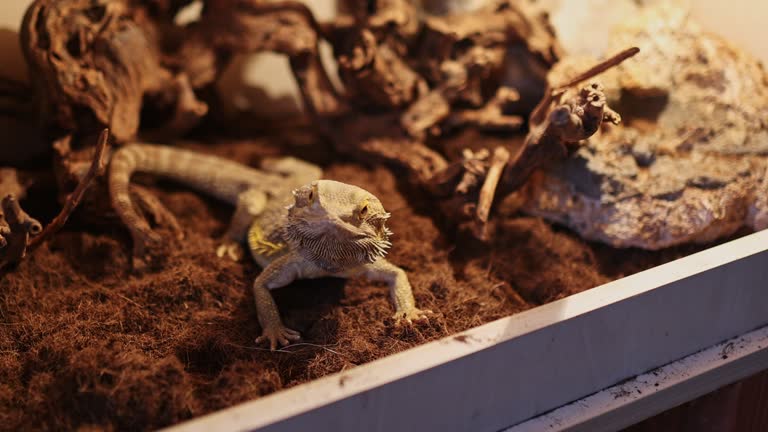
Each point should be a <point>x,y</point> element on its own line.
<point>11,13</point>
<point>742,21</point>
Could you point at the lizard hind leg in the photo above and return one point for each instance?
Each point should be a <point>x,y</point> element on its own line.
<point>148,244</point>
<point>151,206</point>
<point>124,162</point>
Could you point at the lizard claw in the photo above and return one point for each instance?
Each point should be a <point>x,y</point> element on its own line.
<point>278,334</point>
<point>232,250</point>
<point>411,315</point>
<point>153,207</point>
<point>145,244</point>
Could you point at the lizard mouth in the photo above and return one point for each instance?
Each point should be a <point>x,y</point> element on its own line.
<point>338,247</point>
<point>376,246</point>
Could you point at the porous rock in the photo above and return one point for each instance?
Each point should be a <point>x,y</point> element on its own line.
<point>689,162</point>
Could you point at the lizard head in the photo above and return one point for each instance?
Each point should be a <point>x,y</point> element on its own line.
<point>337,225</point>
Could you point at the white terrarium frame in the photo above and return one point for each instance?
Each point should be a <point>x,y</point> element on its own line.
<point>622,351</point>
<point>681,329</point>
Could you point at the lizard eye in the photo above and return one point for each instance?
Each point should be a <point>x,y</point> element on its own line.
<point>313,194</point>
<point>305,196</point>
<point>362,210</point>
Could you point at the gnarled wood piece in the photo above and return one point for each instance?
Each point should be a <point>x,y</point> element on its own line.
<point>286,27</point>
<point>393,22</point>
<point>372,51</point>
<point>10,183</point>
<point>19,232</point>
<point>492,117</point>
<point>435,106</point>
<point>85,63</point>
<point>464,57</point>
<point>380,137</point>
<point>493,28</point>
<point>569,121</point>
<point>373,73</point>
<point>562,119</point>
<point>73,199</point>
<point>16,227</point>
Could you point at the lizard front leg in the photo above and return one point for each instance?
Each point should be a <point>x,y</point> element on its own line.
<point>249,205</point>
<point>399,289</point>
<point>278,273</point>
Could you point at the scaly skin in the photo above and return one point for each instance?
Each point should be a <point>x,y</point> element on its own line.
<point>296,226</point>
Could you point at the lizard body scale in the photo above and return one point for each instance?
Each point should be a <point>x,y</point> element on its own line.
<point>296,225</point>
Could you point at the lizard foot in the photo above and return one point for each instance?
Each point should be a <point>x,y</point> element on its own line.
<point>145,244</point>
<point>151,206</point>
<point>278,334</point>
<point>411,315</point>
<point>232,250</point>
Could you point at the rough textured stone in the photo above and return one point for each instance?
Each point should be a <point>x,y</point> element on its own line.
<point>689,162</point>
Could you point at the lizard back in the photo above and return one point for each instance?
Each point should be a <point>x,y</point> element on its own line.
<point>218,177</point>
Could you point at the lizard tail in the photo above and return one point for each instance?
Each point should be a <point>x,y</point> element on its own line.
<point>215,176</point>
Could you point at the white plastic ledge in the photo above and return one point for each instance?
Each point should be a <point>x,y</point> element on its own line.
<point>661,389</point>
<point>519,367</point>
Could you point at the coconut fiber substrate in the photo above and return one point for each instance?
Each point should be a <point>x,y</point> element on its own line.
<point>87,343</point>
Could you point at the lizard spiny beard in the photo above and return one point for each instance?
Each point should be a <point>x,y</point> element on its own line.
<point>333,250</point>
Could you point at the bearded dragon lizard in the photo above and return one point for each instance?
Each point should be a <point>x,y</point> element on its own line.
<point>295,225</point>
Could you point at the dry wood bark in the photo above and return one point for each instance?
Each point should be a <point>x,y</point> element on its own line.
<point>73,199</point>
<point>85,66</point>
<point>409,79</point>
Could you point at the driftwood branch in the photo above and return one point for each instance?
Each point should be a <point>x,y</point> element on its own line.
<point>601,67</point>
<point>488,191</point>
<point>16,228</point>
<point>76,196</point>
<point>553,93</point>
<point>563,118</point>
<point>409,80</point>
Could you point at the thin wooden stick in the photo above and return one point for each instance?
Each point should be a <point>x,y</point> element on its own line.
<point>600,67</point>
<point>488,190</point>
<point>77,195</point>
<point>550,94</point>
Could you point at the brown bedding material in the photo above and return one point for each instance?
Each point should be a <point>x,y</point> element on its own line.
<point>86,343</point>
